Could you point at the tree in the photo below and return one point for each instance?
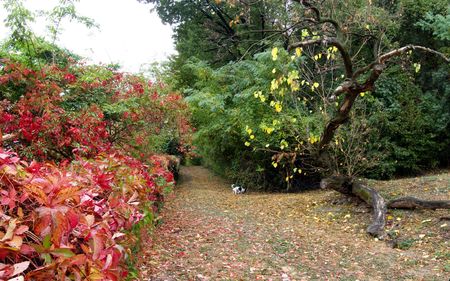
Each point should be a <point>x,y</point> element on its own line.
<point>34,50</point>
<point>315,75</point>
<point>216,31</point>
<point>358,81</point>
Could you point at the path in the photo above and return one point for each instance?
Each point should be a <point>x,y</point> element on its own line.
<point>208,233</point>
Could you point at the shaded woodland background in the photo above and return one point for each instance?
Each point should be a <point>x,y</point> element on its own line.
<point>225,70</point>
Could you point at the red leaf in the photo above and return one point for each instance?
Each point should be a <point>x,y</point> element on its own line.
<point>97,245</point>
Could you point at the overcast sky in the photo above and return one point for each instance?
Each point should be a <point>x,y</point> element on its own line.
<point>129,33</point>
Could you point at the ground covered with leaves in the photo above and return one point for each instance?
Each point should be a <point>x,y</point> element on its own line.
<point>208,233</point>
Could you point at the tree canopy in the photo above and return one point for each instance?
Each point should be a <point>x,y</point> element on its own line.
<point>312,61</point>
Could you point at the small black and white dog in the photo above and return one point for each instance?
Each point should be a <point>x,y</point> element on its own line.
<point>237,189</point>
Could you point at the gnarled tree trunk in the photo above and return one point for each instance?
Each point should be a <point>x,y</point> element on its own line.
<point>356,82</point>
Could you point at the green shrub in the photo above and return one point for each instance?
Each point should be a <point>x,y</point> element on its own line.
<point>411,126</point>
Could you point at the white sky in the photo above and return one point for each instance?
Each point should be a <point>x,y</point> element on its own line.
<point>129,33</point>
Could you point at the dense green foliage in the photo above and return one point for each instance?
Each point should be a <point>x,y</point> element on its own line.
<point>412,125</point>
<point>252,132</point>
<point>242,124</point>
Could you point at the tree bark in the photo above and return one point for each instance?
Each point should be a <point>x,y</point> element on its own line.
<point>416,203</point>
<point>373,198</point>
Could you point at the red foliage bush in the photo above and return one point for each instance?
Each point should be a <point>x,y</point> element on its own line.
<point>73,222</point>
<point>58,113</point>
<point>43,129</point>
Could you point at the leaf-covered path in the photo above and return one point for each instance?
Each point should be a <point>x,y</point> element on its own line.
<point>208,233</point>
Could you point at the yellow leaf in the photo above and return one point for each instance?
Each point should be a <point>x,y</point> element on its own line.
<point>305,33</point>
<point>295,86</point>
<point>274,164</point>
<point>274,53</point>
<point>278,107</point>
<point>274,85</point>
<point>292,76</point>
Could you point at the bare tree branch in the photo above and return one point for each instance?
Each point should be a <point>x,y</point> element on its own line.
<point>394,53</point>
<point>326,41</point>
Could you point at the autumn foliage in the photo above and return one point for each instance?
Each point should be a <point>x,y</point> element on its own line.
<point>57,113</point>
<point>83,165</point>
<point>74,220</point>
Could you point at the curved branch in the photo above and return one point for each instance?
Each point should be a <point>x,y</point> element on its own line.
<point>333,42</point>
<point>341,117</point>
<point>352,88</point>
<point>319,19</point>
<point>387,56</point>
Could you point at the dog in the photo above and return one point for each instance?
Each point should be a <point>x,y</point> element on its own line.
<point>237,189</point>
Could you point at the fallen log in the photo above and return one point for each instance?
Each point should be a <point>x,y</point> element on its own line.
<point>373,198</point>
<point>410,202</point>
<point>358,188</point>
